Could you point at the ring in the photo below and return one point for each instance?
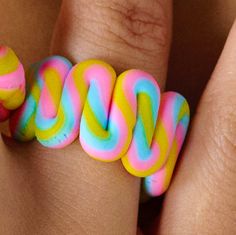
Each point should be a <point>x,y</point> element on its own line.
<point>124,117</point>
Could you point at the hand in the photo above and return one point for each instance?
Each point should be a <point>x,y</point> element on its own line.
<point>73,194</point>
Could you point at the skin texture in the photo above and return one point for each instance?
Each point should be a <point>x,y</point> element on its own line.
<point>63,192</point>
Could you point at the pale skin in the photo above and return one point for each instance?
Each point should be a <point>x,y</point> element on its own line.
<point>66,192</point>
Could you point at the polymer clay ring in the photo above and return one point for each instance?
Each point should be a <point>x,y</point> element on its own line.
<point>124,117</point>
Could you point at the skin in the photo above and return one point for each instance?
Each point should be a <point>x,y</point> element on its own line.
<point>66,192</point>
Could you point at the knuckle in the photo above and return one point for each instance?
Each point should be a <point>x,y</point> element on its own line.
<point>138,30</point>
<point>140,26</point>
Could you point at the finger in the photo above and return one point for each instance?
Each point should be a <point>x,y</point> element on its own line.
<point>201,199</point>
<point>126,34</point>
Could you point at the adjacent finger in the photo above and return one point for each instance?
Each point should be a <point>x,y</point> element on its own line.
<point>201,199</point>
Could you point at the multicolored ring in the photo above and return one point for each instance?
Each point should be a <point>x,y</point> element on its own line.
<point>122,117</point>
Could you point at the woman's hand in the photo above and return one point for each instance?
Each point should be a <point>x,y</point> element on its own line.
<point>65,192</point>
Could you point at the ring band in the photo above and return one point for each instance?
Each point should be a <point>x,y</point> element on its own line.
<point>122,117</point>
